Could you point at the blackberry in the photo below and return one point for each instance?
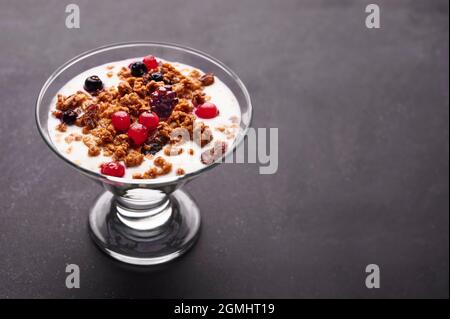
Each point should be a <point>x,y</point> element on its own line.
<point>69,117</point>
<point>93,84</point>
<point>138,69</point>
<point>163,100</point>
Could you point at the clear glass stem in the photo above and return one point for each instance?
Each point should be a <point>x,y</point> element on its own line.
<point>143,210</point>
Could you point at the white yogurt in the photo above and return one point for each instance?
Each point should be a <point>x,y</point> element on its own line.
<point>77,152</point>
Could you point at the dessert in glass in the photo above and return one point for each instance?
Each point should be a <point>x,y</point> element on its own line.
<point>142,119</point>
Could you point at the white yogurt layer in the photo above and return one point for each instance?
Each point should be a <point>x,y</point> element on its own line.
<point>77,152</point>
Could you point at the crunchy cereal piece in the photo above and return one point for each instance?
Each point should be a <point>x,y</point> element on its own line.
<point>138,176</point>
<point>86,140</point>
<point>183,106</point>
<point>110,74</point>
<point>198,97</point>
<point>195,74</point>
<point>207,79</point>
<point>185,85</point>
<point>172,150</point>
<point>159,161</point>
<point>165,166</point>
<point>162,167</point>
<point>90,117</point>
<point>150,84</point>
<point>178,127</point>
<point>133,158</point>
<point>164,130</point>
<point>220,128</point>
<point>93,150</point>
<point>124,88</point>
<point>119,147</point>
<point>57,114</point>
<point>110,67</point>
<point>120,152</point>
<point>121,139</point>
<point>180,171</point>
<point>72,101</point>
<point>104,135</point>
<point>202,134</point>
<point>69,139</point>
<point>135,103</point>
<point>140,87</point>
<point>124,73</point>
<point>181,119</point>
<point>107,95</point>
<point>191,151</point>
<point>62,127</point>
<point>214,153</point>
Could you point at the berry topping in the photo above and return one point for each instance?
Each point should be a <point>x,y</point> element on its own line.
<point>113,169</point>
<point>207,110</point>
<point>163,100</point>
<point>150,62</point>
<point>69,117</point>
<point>138,133</point>
<point>121,121</point>
<point>138,69</point>
<point>93,84</point>
<point>157,76</point>
<point>149,120</point>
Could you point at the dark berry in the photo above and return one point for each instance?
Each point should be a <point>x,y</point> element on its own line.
<point>138,69</point>
<point>113,169</point>
<point>163,100</point>
<point>69,117</point>
<point>157,76</point>
<point>152,148</point>
<point>93,84</point>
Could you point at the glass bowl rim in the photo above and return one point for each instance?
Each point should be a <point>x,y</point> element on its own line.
<point>160,181</point>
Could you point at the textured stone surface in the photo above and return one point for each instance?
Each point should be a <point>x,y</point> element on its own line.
<point>364,152</point>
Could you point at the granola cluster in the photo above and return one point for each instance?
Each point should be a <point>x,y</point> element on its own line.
<point>165,91</point>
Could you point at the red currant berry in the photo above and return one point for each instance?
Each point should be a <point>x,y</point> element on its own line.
<point>150,62</point>
<point>113,169</point>
<point>121,121</point>
<point>150,120</point>
<point>207,110</point>
<point>138,133</point>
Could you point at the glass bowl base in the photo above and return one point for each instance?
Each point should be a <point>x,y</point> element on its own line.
<point>145,237</point>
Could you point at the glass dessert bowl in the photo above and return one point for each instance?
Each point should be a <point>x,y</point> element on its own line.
<point>143,217</point>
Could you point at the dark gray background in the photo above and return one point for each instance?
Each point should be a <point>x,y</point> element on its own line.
<point>363,165</point>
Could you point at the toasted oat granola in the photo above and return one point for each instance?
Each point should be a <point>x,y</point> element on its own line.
<point>173,96</point>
